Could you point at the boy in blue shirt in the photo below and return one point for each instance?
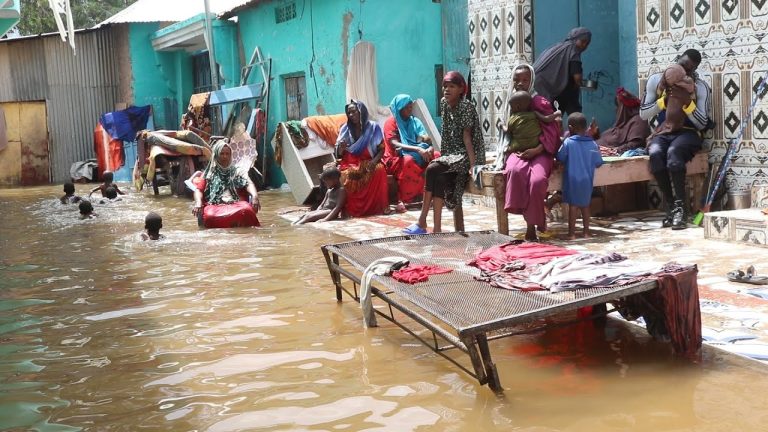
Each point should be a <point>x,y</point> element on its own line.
<point>580,156</point>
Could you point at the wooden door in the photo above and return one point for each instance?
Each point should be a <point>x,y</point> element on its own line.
<point>25,161</point>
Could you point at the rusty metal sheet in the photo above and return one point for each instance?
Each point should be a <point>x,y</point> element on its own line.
<point>35,162</point>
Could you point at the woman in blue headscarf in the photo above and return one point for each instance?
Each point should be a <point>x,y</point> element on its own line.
<point>408,149</point>
<point>559,72</point>
<point>360,149</point>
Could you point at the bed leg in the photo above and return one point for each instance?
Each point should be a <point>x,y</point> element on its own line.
<point>499,193</point>
<point>335,276</point>
<point>458,219</point>
<point>477,361</point>
<point>502,221</point>
<point>490,367</point>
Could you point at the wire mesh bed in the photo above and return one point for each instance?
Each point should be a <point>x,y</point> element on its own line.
<point>455,307</point>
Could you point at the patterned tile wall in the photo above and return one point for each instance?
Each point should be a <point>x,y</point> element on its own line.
<point>731,35</point>
<point>500,37</point>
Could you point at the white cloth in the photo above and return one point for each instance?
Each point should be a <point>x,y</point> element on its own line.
<point>362,81</point>
<point>588,269</point>
<point>379,267</point>
<point>66,29</point>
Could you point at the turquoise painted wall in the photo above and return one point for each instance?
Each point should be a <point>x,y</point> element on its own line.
<point>168,74</point>
<point>628,45</point>
<point>406,34</point>
<point>227,56</point>
<point>154,74</point>
<point>601,17</point>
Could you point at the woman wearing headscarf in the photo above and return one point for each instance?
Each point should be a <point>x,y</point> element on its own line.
<point>462,150</point>
<point>218,196</point>
<point>527,173</point>
<point>559,72</point>
<point>360,147</point>
<point>629,131</point>
<point>408,149</point>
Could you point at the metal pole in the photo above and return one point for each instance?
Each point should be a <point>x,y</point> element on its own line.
<point>211,54</point>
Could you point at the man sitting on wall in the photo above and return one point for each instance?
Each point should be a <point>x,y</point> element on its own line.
<point>669,151</point>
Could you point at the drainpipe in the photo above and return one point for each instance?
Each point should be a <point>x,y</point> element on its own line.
<point>211,55</point>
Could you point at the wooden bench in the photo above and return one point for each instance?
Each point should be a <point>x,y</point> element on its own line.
<point>613,171</point>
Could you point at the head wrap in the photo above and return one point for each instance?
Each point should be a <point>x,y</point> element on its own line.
<point>503,139</point>
<point>411,128</point>
<point>626,98</point>
<point>629,126</point>
<point>553,64</point>
<point>220,179</point>
<point>371,137</point>
<point>458,79</point>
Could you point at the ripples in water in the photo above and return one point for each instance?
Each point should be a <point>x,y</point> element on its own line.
<point>227,330</point>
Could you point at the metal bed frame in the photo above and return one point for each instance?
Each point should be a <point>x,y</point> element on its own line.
<point>461,312</point>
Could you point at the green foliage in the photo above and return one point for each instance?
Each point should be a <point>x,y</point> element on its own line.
<point>37,16</point>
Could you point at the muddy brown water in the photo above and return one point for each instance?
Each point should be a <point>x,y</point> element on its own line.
<point>227,330</point>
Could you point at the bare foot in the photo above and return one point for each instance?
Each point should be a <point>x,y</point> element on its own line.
<point>587,234</point>
<point>571,236</point>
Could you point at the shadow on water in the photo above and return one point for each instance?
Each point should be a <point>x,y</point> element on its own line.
<point>240,330</point>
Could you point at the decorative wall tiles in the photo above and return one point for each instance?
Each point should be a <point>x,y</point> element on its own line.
<point>500,37</point>
<point>732,37</point>
<point>746,226</point>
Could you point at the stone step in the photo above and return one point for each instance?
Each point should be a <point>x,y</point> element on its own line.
<point>746,226</point>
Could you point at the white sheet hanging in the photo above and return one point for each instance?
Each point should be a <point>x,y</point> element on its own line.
<point>362,81</point>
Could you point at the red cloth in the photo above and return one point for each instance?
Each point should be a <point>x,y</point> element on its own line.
<point>493,258</point>
<point>366,192</point>
<point>418,273</point>
<point>239,214</point>
<point>678,298</point>
<point>672,311</point>
<point>109,151</point>
<point>409,175</point>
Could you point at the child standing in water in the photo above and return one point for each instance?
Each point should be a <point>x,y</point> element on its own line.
<point>152,224</point>
<point>108,182</point>
<point>580,156</point>
<point>333,203</point>
<point>86,210</point>
<point>69,194</point>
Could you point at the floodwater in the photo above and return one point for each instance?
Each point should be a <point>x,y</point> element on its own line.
<point>226,330</point>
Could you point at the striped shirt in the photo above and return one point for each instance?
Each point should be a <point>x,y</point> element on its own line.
<point>699,118</point>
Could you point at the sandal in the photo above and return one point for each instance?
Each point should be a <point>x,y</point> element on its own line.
<point>414,229</point>
<point>748,277</point>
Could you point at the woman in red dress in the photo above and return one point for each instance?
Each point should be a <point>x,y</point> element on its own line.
<point>361,146</point>
<point>408,150</point>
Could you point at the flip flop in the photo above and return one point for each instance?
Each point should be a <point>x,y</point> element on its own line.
<point>414,229</point>
<point>749,277</point>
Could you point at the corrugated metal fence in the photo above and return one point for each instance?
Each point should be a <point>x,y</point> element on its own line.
<point>76,88</point>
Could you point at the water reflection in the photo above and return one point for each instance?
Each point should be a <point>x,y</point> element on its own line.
<point>240,330</point>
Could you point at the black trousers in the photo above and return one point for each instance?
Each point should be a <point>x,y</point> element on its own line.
<point>668,155</point>
<point>438,180</point>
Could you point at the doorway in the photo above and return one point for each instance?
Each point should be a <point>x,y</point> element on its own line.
<point>25,161</point>
<point>295,97</point>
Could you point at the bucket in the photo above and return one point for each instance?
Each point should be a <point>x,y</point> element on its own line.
<point>738,200</point>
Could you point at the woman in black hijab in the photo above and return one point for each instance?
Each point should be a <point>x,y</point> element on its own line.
<point>558,70</point>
